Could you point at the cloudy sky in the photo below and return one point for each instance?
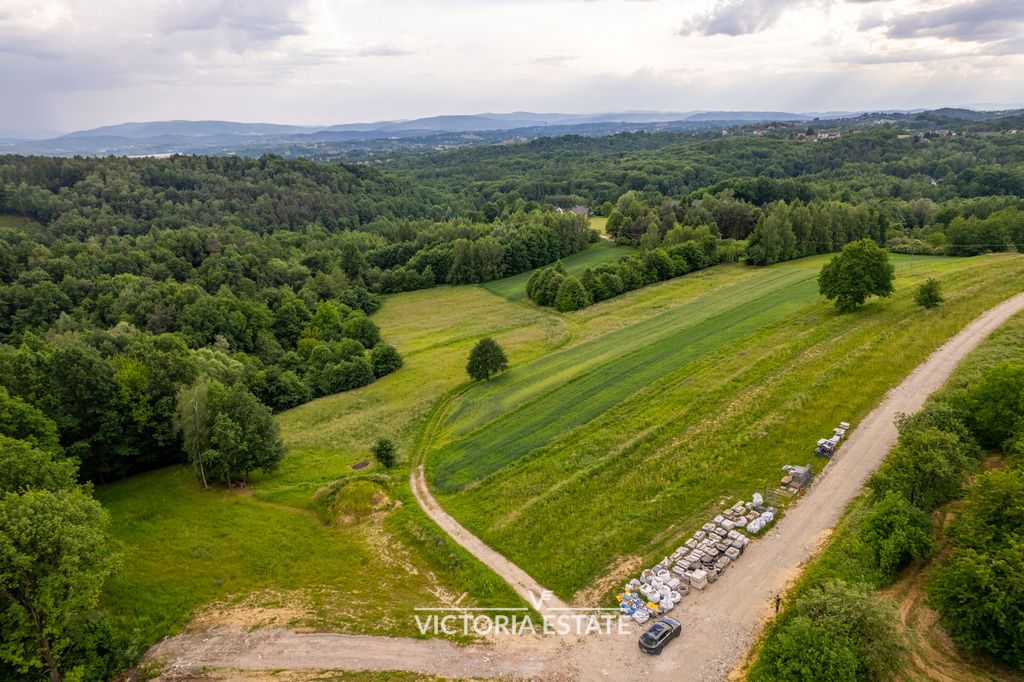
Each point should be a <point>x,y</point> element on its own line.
<point>72,64</point>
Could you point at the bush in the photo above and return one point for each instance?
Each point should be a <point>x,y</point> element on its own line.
<point>898,533</point>
<point>929,294</point>
<point>384,359</point>
<point>833,632</point>
<point>384,453</point>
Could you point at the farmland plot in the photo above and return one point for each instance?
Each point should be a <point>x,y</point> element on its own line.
<point>568,475</point>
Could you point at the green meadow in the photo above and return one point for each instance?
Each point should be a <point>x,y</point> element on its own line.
<point>572,468</point>
<point>614,430</point>
<point>357,557</point>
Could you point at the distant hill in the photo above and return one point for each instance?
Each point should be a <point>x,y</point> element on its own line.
<point>138,131</point>
<point>439,132</point>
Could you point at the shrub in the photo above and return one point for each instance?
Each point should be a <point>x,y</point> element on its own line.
<point>384,453</point>
<point>384,359</point>
<point>929,294</point>
<point>834,632</point>
<point>898,533</point>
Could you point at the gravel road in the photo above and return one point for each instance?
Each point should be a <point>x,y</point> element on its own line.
<point>719,625</point>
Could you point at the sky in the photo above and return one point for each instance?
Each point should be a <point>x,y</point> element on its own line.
<point>74,64</point>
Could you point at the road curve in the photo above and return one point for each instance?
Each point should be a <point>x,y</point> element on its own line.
<point>719,624</point>
<point>528,588</point>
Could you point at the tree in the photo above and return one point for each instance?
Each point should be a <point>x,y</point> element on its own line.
<point>384,359</point>
<point>243,435</point>
<point>898,533</point>
<point>994,404</point>
<point>834,632</point>
<point>384,453</point>
<point>980,598</point>
<point>862,269</point>
<point>227,432</point>
<point>926,467</point>
<point>23,466</point>
<point>191,420</point>
<point>22,421</point>
<point>929,294</point>
<point>486,358</point>
<point>571,295</point>
<point>55,554</point>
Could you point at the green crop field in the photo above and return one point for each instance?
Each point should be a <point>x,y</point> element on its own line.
<point>514,288</point>
<point>612,448</point>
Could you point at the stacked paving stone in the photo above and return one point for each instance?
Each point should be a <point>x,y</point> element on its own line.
<point>697,563</point>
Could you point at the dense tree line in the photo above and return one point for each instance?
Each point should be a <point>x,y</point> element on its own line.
<point>683,250</point>
<point>878,165</point>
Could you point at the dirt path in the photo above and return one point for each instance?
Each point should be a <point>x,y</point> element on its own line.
<point>719,625</point>
<point>528,588</point>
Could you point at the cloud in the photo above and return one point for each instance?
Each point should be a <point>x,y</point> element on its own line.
<point>257,20</point>
<point>554,59</point>
<point>981,21</point>
<point>737,17</point>
<point>383,50</point>
<point>26,47</point>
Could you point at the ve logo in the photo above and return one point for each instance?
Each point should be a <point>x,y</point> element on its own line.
<point>538,600</point>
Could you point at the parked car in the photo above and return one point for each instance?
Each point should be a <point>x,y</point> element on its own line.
<point>660,634</point>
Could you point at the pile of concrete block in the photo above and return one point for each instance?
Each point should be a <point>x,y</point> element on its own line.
<point>696,563</point>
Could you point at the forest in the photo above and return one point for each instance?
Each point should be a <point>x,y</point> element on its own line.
<point>143,275</point>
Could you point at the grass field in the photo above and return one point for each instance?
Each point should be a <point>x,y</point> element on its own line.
<point>603,251</point>
<point>265,555</point>
<point>748,376</point>
<point>849,558</point>
<point>728,370</point>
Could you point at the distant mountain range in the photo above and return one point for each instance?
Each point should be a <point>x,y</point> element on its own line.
<point>229,137</point>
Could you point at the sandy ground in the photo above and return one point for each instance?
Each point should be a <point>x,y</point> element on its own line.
<point>719,624</point>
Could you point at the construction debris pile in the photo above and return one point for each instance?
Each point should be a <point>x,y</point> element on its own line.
<point>697,562</point>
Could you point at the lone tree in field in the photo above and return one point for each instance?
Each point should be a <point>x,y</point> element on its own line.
<point>929,294</point>
<point>861,270</point>
<point>384,453</point>
<point>486,358</point>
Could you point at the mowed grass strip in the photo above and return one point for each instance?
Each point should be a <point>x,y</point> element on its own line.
<point>635,481</point>
<point>514,288</point>
<point>580,383</point>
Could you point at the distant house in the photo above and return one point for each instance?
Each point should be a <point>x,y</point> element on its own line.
<point>580,211</point>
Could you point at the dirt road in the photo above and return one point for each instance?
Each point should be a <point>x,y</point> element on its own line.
<point>528,588</point>
<point>719,624</point>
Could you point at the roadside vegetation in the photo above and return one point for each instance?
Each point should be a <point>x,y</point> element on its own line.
<point>911,530</point>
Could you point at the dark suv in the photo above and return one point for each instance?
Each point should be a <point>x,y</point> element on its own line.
<point>660,634</point>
